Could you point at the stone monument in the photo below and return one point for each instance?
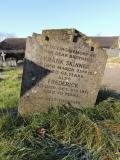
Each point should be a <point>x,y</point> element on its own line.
<point>1,62</point>
<point>3,59</point>
<point>62,67</point>
<point>11,62</point>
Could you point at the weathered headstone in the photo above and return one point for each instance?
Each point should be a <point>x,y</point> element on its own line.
<point>1,62</point>
<point>3,56</point>
<point>11,62</point>
<point>61,67</point>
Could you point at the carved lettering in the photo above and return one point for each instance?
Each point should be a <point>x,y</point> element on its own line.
<point>79,65</point>
<point>63,83</point>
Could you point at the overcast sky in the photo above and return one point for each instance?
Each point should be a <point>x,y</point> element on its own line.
<point>92,17</point>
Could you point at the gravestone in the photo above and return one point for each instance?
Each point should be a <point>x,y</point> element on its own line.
<point>0,61</point>
<point>3,59</point>
<point>62,67</point>
<point>11,62</point>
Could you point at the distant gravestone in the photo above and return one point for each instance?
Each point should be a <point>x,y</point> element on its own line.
<point>0,61</point>
<point>61,67</point>
<point>11,62</point>
<point>3,56</point>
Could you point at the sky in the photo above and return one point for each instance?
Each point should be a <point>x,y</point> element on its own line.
<point>91,17</point>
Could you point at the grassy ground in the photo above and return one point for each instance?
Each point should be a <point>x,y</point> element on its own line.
<point>10,87</point>
<point>62,133</point>
<point>114,60</point>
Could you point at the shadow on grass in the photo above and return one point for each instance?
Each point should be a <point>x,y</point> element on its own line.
<point>1,70</point>
<point>105,93</point>
<point>5,111</point>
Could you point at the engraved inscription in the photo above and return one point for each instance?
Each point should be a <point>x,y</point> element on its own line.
<point>69,66</point>
<point>60,69</point>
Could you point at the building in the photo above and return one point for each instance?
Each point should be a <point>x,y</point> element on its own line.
<point>110,44</point>
<point>12,50</point>
<point>13,47</point>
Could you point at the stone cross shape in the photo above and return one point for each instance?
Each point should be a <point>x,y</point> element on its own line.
<point>3,56</point>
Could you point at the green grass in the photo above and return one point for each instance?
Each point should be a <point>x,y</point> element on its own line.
<point>71,134</point>
<point>114,60</point>
<point>10,87</point>
<point>93,132</point>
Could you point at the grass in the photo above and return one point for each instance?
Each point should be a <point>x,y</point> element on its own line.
<point>10,87</point>
<point>105,93</point>
<point>114,60</point>
<point>69,133</point>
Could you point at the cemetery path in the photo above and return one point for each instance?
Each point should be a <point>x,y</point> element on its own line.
<point>111,78</point>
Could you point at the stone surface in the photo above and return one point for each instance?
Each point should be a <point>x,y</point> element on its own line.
<point>61,67</point>
<point>11,62</point>
<point>0,61</point>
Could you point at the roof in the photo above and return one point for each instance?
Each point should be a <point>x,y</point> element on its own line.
<point>105,42</point>
<point>13,43</point>
<point>20,43</point>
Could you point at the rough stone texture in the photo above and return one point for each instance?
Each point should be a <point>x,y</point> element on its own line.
<point>61,67</point>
